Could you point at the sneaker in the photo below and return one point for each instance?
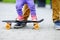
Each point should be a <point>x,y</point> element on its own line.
<point>19,25</point>
<point>34,18</point>
<point>23,24</point>
<point>57,25</point>
<point>19,18</point>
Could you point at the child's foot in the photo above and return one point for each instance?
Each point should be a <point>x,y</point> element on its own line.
<point>19,18</point>
<point>19,25</point>
<point>57,25</point>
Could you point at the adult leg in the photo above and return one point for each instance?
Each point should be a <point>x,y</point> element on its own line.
<point>26,12</point>
<point>56,13</point>
<point>55,10</point>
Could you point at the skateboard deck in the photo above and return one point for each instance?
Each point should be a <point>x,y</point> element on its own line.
<point>9,22</point>
<point>28,21</point>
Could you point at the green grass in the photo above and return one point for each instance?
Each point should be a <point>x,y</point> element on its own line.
<point>9,1</point>
<point>13,1</point>
<point>47,1</point>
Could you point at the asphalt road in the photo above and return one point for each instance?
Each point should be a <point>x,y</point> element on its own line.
<point>46,31</point>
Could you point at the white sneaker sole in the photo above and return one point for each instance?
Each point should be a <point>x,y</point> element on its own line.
<point>57,27</point>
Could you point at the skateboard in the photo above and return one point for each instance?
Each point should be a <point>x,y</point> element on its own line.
<point>9,22</point>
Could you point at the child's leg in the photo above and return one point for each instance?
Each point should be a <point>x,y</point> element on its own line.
<point>31,5</point>
<point>19,6</point>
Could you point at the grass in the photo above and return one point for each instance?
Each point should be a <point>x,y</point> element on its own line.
<point>9,1</point>
<point>47,1</point>
<point>13,1</point>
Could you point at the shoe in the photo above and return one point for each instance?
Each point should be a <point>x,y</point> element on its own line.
<point>19,18</point>
<point>34,18</point>
<point>19,25</point>
<point>57,25</point>
<point>23,24</point>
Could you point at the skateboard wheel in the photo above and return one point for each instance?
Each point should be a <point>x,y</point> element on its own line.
<point>8,26</point>
<point>36,26</point>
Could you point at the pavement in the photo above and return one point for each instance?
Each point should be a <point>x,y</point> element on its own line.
<point>46,31</point>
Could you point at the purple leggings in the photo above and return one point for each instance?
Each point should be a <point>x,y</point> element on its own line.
<point>20,4</point>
